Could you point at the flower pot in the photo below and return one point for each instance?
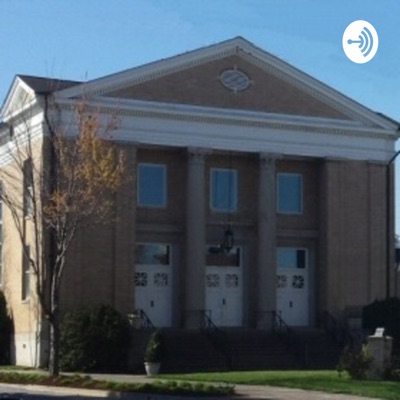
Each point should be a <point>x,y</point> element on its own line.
<point>152,368</point>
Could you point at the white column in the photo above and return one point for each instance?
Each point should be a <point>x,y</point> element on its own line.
<point>195,237</point>
<point>266,265</point>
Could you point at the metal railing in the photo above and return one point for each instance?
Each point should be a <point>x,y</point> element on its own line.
<point>206,321</point>
<point>202,319</point>
<point>290,338</point>
<point>140,320</point>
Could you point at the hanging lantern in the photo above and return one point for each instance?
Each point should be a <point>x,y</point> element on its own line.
<point>227,243</point>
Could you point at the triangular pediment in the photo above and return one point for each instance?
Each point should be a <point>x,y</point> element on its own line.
<point>194,78</point>
<point>19,97</point>
<point>202,86</point>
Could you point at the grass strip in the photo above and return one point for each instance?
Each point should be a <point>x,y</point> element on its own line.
<point>168,387</point>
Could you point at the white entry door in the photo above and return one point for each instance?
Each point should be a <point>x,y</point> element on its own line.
<point>224,289</point>
<point>293,286</point>
<point>153,283</point>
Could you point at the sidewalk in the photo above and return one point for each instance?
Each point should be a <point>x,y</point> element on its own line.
<point>248,392</point>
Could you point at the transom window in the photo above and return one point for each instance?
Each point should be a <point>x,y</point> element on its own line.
<point>214,257</point>
<point>291,257</point>
<point>290,193</point>
<point>223,193</point>
<point>153,254</point>
<point>152,185</point>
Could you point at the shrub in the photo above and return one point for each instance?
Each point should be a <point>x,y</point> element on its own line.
<point>384,313</point>
<point>5,331</point>
<point>94,339</point>
<point>154,348</point>
<point>355,362</point>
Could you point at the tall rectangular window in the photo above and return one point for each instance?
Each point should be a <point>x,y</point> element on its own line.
<point>28,188</point>
<point>223,191</point>
<point>290,193</point>
<point>152,185</point>
<point>26,274</point>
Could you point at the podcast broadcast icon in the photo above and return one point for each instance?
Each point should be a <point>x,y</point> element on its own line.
<point>360,41</point>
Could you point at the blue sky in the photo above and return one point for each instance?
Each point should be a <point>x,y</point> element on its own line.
<point>85,39</point>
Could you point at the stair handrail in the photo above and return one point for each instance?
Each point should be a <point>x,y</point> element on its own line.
<point>338,331</point>
<point>290,337</point>
<point>216,337</point>
<point>140,315</point>
<point>267,320</point>
<point>206,321</point>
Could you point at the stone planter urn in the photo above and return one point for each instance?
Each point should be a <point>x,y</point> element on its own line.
<point>152,368</point>
<point>153,354</point>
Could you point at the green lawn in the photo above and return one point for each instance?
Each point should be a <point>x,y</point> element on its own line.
<point>327,381</point>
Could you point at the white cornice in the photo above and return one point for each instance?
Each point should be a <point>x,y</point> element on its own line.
<point>189,113</point>
<point>174,125</point>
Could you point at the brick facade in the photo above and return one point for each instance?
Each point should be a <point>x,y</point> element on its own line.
<point>178,114</point>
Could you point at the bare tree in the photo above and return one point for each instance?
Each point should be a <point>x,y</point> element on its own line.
<point>54,184</point>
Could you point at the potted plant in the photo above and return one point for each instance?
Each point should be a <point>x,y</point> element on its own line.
<point>153,354</point>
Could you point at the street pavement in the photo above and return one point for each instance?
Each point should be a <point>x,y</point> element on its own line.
<point>248,392</point>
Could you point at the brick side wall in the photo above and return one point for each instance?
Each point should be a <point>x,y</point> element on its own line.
<point>353,226</point>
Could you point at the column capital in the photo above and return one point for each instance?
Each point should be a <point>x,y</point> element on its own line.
<point>268,159</point>
<point>196,154</point>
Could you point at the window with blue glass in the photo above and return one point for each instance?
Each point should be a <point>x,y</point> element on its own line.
<point>152,185</point>
<point>223,193</point>
<point>290,257</point>
<point>290,193</point>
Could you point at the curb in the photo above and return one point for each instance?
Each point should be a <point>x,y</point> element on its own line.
<point>70,391</point>
<point>99,394</point>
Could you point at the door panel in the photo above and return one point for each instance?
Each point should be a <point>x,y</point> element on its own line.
<point>224,295</point>
<point>153,293</point>
<point>293,286</point>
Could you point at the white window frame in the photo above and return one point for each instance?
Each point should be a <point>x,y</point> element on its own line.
<point>279,175</point>
<point>234,206</point>
<point>165,195</point>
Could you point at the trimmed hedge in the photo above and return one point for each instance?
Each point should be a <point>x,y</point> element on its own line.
<point>94,339</point>
<point>5,332</point>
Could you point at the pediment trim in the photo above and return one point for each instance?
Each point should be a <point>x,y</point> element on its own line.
<point>249,52</point>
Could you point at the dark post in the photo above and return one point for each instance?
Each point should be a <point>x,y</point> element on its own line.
<point>389,238</point>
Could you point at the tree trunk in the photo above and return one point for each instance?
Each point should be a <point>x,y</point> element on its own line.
<point>54,361</point>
